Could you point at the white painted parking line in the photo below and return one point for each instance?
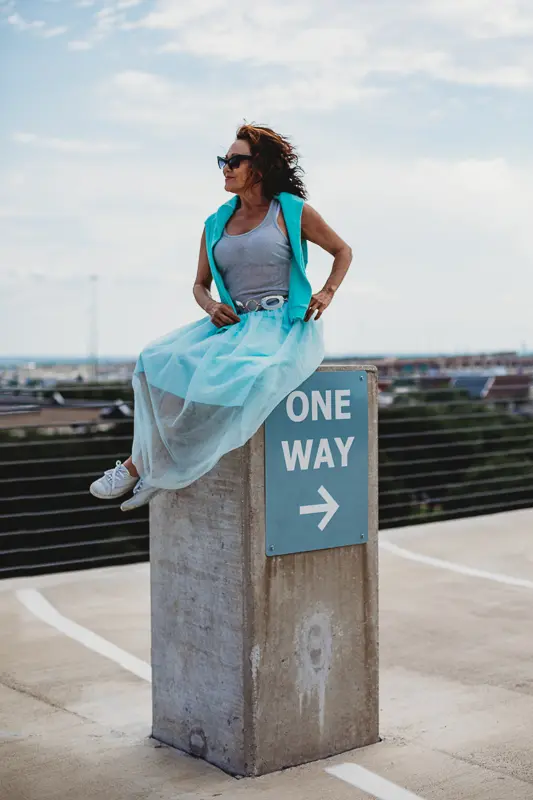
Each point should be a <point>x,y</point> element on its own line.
<point>370,783</point>
<point>45,611</point>
<point>125,571</point>
<point>451,566</point>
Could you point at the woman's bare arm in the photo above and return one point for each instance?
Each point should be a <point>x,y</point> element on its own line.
<point>220,313</point>
<point>315,229</point>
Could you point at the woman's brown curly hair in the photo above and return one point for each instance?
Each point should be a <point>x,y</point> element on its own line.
<point>275,161</point>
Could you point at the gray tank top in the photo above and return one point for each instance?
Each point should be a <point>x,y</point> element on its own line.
<point>256,263</point>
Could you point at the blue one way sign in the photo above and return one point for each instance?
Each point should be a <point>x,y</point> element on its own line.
<point>316,466</point>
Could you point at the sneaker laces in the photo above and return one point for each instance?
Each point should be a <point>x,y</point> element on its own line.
<point>139,486</point>
<point>113,474</point>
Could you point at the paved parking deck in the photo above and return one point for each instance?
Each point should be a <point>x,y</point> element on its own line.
<point>456,682</point>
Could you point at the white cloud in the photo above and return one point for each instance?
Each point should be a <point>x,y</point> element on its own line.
<point>77,146</point>
<point>434,240</point>
<point>135,96</point>
<point>350,47</point>
<point>108,20</point>
<point>363,42</point>
<point>21,24</point>
<point>267,44</point>
<point>38,25</point>
<point>483,18</point>
<point>59,30</point>
<point>436,237</point>
<point>134,80</point>
<point>172,16</point>
<point>442,239</point>
<point>484,197</point>
<point>80,44</point>
<point>148,98</point>
<point>438,65</point>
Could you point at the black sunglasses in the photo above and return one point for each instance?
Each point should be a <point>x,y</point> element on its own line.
<point>233,162</point>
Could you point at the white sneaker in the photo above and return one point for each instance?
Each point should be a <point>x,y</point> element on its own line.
<point>113,483</point>
<point>142,494</point>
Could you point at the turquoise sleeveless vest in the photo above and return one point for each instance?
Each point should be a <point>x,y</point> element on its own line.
<point>299,287</point>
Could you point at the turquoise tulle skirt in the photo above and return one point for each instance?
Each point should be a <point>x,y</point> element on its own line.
<point>201,391</point>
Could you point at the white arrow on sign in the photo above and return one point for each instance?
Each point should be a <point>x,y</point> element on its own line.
<point>329,508</point>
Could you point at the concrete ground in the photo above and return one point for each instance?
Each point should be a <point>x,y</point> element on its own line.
<point>456,682</point>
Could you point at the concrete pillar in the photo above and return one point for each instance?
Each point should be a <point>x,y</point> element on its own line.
<point>260,663</point>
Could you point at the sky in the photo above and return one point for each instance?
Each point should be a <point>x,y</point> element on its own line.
<point>413,119</point>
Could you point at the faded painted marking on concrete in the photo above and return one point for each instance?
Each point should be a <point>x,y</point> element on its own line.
<point>314,644</point>
<point>255,660</point>
<point>45,611</point>
<point>369,782</point>
<point>451,566</point>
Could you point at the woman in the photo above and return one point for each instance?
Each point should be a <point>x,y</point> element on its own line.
<point>206,388</point>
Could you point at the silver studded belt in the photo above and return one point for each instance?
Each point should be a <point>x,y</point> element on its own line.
<point>267,303</point>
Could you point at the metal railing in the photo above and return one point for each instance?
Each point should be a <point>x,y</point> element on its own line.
<point>442,455</point>
<point>445,454</point>
<point>48,519</point>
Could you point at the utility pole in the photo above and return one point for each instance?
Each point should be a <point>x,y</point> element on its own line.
<point>93,344</point>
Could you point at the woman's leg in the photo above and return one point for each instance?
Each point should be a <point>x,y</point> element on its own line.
<point>130,466</point>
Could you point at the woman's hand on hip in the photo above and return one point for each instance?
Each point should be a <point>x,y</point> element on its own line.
<point>222,315</point>
<point>319,302</point>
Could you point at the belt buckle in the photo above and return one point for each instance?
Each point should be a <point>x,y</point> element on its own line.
<point>266,303</point>
<point>246,306</point>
